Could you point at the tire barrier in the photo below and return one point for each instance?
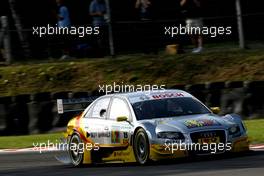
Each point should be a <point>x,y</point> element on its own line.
<point>17,117</point>
<point>213,98</point>
<point>254,102</point>
<point>232,101</point>
<point>80,95</point>
<point>4,107</point>
<point>234,84</point>
<point>178,86</point>
<point>197,90</point>
<point>37,113</point>
<point>97,93</point>
<point>60,95</point>
<point>41,113</point>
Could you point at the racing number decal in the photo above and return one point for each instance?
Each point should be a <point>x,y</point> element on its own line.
<point>125,140</point>
<point>115,137</point>
<point>125,135</point>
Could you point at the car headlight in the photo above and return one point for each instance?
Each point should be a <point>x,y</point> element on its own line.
<point>234,131</point>
<point>171,135</point>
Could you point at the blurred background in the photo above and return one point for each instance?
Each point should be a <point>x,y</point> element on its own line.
<point>130,33</point>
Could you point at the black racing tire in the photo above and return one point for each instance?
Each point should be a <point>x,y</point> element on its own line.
<point>141,147</point>
<point>75,152</point>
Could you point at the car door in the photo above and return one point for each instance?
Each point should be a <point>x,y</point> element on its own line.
<point>95,124</point>
<point>120,131</point>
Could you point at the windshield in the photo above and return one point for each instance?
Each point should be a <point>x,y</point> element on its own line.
<point>168,108</point>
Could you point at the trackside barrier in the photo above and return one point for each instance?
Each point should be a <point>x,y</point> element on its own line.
<point>4,103</point>
<point>73,105</point>
<point>17,120</point>
<point>43,112</point>
<point>197,90</point>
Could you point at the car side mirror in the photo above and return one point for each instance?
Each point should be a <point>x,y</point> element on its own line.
<point>122,119</point>
<point>215,110</point>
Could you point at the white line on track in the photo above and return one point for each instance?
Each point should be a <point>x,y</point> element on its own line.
<point>29,150</point>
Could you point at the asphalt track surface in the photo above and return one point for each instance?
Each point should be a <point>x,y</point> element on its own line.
<point>45,164</point>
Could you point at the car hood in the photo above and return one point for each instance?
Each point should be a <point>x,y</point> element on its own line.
<point>189,123</point>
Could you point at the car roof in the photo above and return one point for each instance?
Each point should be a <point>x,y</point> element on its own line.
<point>134,97</point>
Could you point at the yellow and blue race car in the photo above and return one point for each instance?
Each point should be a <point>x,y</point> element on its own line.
<point>152,125</point>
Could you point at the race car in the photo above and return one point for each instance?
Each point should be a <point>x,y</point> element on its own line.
<point>149,126</point>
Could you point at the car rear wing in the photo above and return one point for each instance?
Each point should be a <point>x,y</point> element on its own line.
<point>73,105</point>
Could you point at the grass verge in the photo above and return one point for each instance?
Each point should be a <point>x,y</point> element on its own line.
<point>16,142</point>
<point>88,74</point>
<point>255,130</point>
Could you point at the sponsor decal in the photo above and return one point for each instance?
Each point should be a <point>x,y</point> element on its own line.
<point>167,95</point>
<point>104,134</point>
<point>115,137</point>
<point>121,153</point>
<point>201,123</point>
<point>125,141</point>
<point>120,128</point>
<point>100,135</point>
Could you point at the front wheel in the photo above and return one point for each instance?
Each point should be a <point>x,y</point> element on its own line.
<point>75,149</point>
<point>141,147</point>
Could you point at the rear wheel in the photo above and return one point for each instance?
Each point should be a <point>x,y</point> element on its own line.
<point>141,147</point>
<point>76,149</point>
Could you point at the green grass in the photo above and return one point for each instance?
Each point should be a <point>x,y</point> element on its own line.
<point>87,74</point>
<point>15,142</point>
<point>255,130</point>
